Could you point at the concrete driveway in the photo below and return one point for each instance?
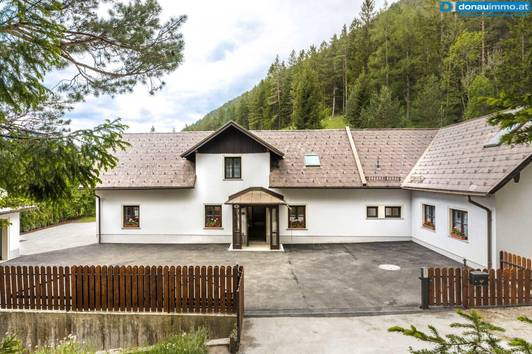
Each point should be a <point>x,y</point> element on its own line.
<point>305,279</point>
<point>364,334</point>
<point>59,237</point>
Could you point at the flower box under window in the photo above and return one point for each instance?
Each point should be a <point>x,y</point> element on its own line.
<point>131,217</point>
<point>458,235</point>
<point>429,224</point>
<point>213,216</point>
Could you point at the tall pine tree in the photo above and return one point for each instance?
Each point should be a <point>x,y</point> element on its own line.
<point>358,100</point>
<point>307,108</point>
<point>382,112</point>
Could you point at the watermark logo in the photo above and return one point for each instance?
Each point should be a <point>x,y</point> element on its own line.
<point>447,6</point>
<point>486,8</point>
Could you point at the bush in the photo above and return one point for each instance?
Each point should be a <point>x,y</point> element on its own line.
<point>187,343</point>
<point>67,346</point>
<point>11,345</point>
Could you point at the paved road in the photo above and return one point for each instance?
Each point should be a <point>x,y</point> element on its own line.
<point>317,279</point>
<point>58,238</point>
<point>319,335</point>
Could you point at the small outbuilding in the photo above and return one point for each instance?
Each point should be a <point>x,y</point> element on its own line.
<point>10,232</point>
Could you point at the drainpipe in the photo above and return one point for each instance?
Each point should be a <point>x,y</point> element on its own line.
<point>489,222</point>
<point>99,219</point>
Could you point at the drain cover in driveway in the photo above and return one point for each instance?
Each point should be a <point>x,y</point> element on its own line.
<point>389,267</point>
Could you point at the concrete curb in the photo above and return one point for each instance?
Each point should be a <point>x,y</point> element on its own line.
<point>347,312</point>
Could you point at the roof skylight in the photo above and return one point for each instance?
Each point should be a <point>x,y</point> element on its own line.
<point>496,139</point>
<point>312,160</point>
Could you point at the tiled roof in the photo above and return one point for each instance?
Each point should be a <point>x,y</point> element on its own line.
<point>388,155</point>
<point>449,159</point>
<point>337,165</point>
<point>153,161</point>
<point>256,196</point>
<point>457,161</point>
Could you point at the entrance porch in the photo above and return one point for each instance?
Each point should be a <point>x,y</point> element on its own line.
<point>256,218</point>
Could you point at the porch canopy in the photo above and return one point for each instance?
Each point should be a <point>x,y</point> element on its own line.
<point>243,203</point>
<point>256,196</point>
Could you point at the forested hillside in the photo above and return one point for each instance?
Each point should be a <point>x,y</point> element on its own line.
<point>405,66</point>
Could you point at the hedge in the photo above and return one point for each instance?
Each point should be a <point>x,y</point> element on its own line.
<point>46,214</point>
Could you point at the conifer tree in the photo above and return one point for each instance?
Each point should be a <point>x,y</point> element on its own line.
<point>307,109</point>
<point>478,337</point>
<point>427,60</point>
<point>367,14</point>
<point>358,100</point>
<point>427,105</point>
<point>107,54</point>
<point>382,111</point>
<point>478,90</point>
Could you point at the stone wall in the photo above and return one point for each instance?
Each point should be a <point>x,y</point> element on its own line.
<point>104,330</point>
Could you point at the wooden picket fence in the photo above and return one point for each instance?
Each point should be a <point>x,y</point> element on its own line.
<point>510,285</point>
<point>512,261</point>
<point>181,289</point>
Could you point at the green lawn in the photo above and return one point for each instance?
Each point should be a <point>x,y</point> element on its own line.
<point>85,219</point>
<point>337,122</point>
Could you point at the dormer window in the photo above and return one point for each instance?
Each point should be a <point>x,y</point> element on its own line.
<point>312,160</point>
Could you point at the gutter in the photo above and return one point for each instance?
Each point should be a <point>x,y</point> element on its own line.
<point>515,173</point>
<point>489,223</point>
<point>99,218</point>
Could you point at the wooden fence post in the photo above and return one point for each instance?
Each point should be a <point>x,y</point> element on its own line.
<point>425,283</point>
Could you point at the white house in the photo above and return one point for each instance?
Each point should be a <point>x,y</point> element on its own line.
<point>442,188</point>
<point>10,232</point>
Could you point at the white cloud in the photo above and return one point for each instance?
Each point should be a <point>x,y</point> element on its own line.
<point>229,46</point>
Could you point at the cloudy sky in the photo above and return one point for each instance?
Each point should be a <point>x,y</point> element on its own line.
<point>229,46</point>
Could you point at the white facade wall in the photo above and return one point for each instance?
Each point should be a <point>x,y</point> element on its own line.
<point>332,215</point>
<point>10,244</point>
<point>475,249</point>
<point>177,216</point>
<point>514,211</point>
<point>339,215</point>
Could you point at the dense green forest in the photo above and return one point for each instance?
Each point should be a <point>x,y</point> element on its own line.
<point>406,65</point>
